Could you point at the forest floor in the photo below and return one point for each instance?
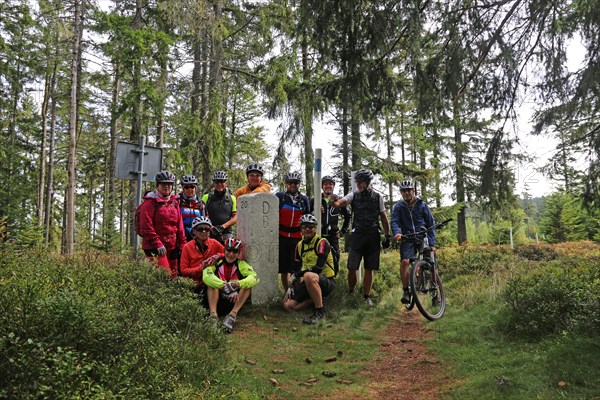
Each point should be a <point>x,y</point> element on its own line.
<point>404,367</point>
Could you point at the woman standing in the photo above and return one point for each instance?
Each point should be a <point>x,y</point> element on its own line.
<point>161,225</point>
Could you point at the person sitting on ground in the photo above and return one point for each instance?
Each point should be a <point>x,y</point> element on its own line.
<point>230,282</point>
<point>256,184</point>
<point>221,208</point>
<point>410,215</point>
<point>196,253</point>
<point>161,225</point>
<point>313,281</point>
<point>190,204</point>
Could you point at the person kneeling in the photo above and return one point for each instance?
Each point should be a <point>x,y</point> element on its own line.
<point>313,279</point>
<point>230,282</point>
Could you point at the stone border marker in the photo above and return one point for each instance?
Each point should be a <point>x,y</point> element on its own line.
<point>258,229</point>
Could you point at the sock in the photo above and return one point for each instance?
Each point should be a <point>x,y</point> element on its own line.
<point>319,310</point>
<point>405,289</point>
<point>234,315</point>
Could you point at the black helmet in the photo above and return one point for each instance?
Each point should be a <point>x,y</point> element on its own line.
<point>292,177</point>
<point>219,176</point>
<point>327,178</point>
<point>189,180</point>
<point>406,184</point>
<point>308,219</point>
<point>165,177</point>
<point>363,175</point>
<point>254,168</point>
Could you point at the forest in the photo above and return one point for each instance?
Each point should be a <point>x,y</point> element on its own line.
<point>425,89</point>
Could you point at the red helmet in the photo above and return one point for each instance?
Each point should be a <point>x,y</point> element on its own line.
<point>233,243</point>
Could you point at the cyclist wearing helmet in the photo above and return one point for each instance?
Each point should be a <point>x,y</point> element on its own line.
<point>313,280</point>
<point>196,253</point>
<point>161,225</point>
<point>190,204</point>
<point>367,208</point>
<point>409,215</point>
<point>221,207</point>
<point>329,219</point>
<point>292,206</point>
<point>230,282</point>
<point>254,173</point>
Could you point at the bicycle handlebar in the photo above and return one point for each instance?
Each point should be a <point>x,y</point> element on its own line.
<point>425,230</point>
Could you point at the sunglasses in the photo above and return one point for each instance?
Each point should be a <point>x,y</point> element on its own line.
<point>203,229</point>
<point>231,250</point>
<point>307,227</point>
<point>220,181</point>
<point>293,182</point>
<point>189,187</point>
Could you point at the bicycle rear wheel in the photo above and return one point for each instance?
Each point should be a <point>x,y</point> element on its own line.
<point>427,289</point>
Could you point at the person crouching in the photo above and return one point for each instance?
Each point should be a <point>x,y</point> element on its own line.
<point>313,280</point>
<point>230,282</point>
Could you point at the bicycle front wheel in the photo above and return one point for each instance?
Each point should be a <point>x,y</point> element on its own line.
<point>428,292</point>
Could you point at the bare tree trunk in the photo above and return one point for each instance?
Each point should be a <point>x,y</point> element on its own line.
<point>198,98</point>
<point>72,160</point>
<point>460,174</point>
<point>390,154</point>
<point>51,156</point>
<point>114,139</point>
<point>43,155</point>
<point>307,125</point>
<point>436,164</point>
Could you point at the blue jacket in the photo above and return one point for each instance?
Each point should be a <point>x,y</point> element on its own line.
<point>409,220</point>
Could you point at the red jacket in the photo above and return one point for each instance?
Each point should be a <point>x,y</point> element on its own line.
<point>161,223</point>
<point>192,257</point>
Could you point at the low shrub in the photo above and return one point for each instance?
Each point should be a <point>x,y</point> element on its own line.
<point>102,327</point>
<point>558,298</point>
<point>536,252</point>
<point>461,260</point>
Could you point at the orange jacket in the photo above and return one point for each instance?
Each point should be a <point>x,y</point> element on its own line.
<point>264,187</point>
<point>192,257</point>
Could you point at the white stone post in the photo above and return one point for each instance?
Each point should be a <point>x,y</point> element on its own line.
<point>258,229</point>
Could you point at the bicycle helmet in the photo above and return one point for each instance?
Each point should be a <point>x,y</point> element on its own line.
<point>189,180</point>
<point>308,219</point>
<point>201,221</point>
<point>406,184</point>
<point>327,178</point>
<point>254,168</point>
<point>233,243</point>
<point>165,177</point>
<point>293,177</point>
<point>363,175</point>
<point>220,176</point>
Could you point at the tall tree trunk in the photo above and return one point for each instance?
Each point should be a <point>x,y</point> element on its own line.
<point>72,160</point>
<point>114,140</point>
<point>436,163</point>
<point>43,146</point>
<point>460,173</point>
<point>198,104</point>
<point>51,156</point>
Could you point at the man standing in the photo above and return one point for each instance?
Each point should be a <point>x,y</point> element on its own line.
<point>256,184</point>
<point>409,215</point>
<point>367,208</point>
<point>190,204</point>
<point>329,220</point>
<point>313,279</point>
<point>292,206</point>
<point>221,208</point>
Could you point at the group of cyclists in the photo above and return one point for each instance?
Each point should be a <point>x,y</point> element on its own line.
<point>192,236</point>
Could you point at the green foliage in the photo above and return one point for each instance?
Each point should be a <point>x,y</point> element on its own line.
<point>103,327</point>
<point>560,297</point>
<point>565,219</point>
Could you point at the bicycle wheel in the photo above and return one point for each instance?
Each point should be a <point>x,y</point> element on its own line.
<point>428,293</point>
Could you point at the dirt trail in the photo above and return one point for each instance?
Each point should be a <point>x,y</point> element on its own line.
<point>404,368</point>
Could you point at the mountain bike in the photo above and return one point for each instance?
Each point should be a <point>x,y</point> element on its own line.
<point>426,288</point>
